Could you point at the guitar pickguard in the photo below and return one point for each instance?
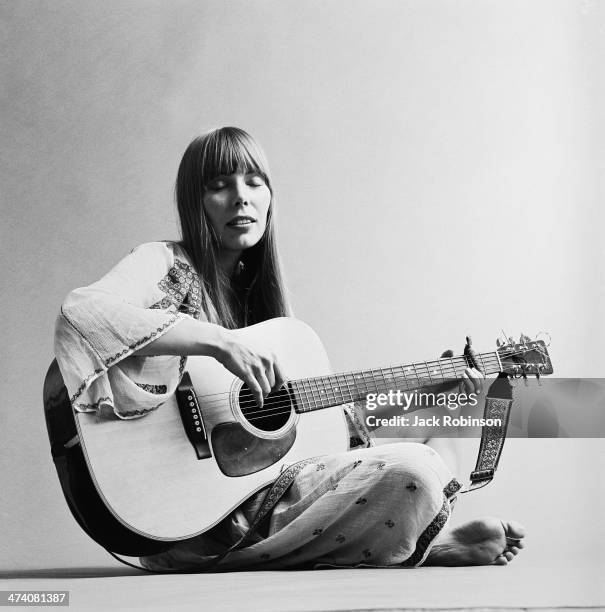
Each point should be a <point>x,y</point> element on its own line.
<point>239,452</point>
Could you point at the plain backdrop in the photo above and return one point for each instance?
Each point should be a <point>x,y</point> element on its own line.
<point>438,171</point>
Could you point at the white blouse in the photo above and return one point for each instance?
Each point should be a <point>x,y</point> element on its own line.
<point>102,325</point>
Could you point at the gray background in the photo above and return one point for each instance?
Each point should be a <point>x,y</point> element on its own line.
<point>437,168</point>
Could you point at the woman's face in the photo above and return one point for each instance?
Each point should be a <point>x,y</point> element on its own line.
<point>237,205</point>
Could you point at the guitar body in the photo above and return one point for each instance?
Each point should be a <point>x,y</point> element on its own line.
<point>146,470</point>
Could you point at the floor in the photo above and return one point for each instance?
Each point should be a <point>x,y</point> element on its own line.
<point>515,587</point>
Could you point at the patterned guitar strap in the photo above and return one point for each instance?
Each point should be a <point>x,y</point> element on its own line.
<point>498,404</point>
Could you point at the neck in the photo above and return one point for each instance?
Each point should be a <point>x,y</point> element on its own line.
<point>325,391</point>
<point>228,260</point>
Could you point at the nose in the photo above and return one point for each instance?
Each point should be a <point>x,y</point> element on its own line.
<point>242,192</point>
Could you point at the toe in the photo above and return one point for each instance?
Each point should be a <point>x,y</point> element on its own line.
<point>513,530</point>
<point>500,560</point>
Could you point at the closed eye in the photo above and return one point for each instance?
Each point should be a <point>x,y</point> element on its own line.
<point>255,180</point>
<point>216,184</point>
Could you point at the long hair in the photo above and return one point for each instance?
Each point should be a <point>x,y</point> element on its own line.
<point>257,291</point>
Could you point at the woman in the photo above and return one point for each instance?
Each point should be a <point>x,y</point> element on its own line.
<point>122,345</point>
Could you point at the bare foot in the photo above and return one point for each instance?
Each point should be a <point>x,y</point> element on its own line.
<point>484,541</point>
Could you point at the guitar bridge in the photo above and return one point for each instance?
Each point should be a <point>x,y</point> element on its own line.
<point>191,415</point>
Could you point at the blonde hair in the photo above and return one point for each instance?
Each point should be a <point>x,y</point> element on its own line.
<point>257,292</point>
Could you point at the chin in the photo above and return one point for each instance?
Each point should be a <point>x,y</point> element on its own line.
<point>244,243</point>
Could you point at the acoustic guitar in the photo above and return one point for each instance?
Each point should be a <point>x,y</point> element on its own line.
<point>138,485</point>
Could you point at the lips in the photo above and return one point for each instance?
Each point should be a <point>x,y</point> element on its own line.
<point>241,221</point>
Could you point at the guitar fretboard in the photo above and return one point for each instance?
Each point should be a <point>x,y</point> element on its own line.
<point>332,390</point>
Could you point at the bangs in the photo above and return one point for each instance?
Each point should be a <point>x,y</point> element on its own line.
<point>229,150</point>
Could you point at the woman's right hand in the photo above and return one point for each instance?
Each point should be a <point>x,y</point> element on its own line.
<point>257,366</point>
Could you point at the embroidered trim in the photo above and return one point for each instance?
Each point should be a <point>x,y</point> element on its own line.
<point>182,288</point>
<point>108,362</point>
<point>428,535</point>
<point>156,389</point>
<point>94,406</point>
<point>84,384</point>
<point>495,408</point>
<point>143,340</point>
<point>451,488</point>
<point>279,487</point>
<point>362,431</point>
<point>138,412</point>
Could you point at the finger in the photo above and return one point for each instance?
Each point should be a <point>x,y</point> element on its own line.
<point>255,389</point>
<point>468,386</point>
<point>261,379</point>
<point>475,379</point>
<point>270,375</point>
<point>280,377</point>
<point>509,555</point>
<point>514,550</point>
<point>448,353</point>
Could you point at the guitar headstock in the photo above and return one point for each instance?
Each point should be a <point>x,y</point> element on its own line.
<point>525,357</point>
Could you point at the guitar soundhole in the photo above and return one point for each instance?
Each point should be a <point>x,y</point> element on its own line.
<point>272,416</point>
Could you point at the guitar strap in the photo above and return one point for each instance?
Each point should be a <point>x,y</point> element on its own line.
<point>274,494</point>
<point>498,404</point>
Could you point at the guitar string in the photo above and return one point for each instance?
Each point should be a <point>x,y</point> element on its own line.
<point>450,370</point>
<point>276,408</point>
<point>317,402</point>
<point>450,366</point>
<point>312,399</point>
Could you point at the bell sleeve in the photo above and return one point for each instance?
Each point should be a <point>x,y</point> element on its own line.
<point>102,325</point>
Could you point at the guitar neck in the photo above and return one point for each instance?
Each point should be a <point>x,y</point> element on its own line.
<point>326,391</point>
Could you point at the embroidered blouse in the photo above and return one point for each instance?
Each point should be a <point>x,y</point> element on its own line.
<point>102,325</point>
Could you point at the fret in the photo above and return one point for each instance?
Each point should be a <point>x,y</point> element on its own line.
<point>367,385</point>
<point>416,375</point>
<point>310,396</point>
<point>480,357</point>
<point>384,378</point>
<point>306,401</point>
<point>454,372</point>
<point>423,379</point>
<point>316,390</point>
<point>406,383</point>
<point>314,386</point>
<point>436,369</point>
<point>428,371</point>
<point>394,378</point>
<point>363,375</point>
<point>333,389</point>
<point>323,390</point>
<point>345,388</point>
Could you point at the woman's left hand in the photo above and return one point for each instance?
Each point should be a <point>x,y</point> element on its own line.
<point>472,382</point>
<point>472,379</point>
